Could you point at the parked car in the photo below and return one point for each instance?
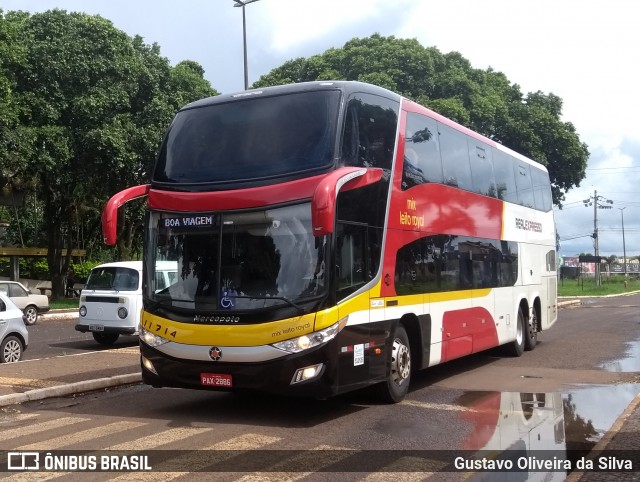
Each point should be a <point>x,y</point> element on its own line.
<point>31,304</point>
<point>14,336</point>
<point>111,301</point>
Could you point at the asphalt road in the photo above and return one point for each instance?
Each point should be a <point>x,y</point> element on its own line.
<point>56,337</point>
<point>563,395</point>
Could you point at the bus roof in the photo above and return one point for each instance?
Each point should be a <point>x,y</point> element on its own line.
<point>348,87</point>
<point>345,86</point>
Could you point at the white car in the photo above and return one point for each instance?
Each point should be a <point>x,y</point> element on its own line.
<point>14,336</point>
<point>31,304</point>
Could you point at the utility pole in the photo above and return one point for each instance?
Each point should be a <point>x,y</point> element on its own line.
<point>624,247</point>
<point>598,202</point>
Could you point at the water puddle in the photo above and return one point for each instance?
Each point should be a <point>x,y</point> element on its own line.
<point>591,411</point>
<point>630,362</point>
<point>547,426</point>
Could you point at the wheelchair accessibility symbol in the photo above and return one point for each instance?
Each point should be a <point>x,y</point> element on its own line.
<point>227,298</point>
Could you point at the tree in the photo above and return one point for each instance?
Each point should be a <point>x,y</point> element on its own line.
<point>92,106</point>
<point>13,142</point>
<point>483,100</point>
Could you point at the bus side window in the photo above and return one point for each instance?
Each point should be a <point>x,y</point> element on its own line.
<point>455,158</point>
<point>421,152</point>
<point>505,179</point>
<point>524,185</point>
<point>482,168</point>
<point>369,134</point>
<point>351,259</point>
<point>541,189</point>
<point>350,138</point>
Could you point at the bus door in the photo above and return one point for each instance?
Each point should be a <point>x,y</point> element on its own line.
<point>351,273</point>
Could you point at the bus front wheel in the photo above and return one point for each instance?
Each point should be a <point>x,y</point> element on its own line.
<point>394,389</point>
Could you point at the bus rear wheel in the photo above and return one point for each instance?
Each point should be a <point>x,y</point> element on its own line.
<point>106,339</point>
<point>531,332</point>
<point>394,389</point>
<point>516,347</point>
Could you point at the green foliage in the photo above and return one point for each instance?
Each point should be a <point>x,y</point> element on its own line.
<point>610,285</point>
<point>30,268</point>
<point>83,108</point>
<point>83,269</point>
<point>483,100</point>
<point>38,268</point>
<point>63,303</point>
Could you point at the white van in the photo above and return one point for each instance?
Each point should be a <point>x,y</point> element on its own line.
<point>111,301</point>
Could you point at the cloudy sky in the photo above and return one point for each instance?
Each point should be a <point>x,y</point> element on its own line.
<point>586,52</point>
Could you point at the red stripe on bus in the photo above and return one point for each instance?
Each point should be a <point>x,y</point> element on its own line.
<point>234,198</point>
<point>436,208</point>
<point>467,331</point>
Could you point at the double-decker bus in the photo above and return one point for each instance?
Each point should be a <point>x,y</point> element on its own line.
<point>330,236</point>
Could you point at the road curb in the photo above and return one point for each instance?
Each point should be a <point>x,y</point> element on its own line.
<point>69,389</point>
<point>568,302</point>
<point>60,314</point>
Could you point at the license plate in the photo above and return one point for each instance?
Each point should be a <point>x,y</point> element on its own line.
<point>215,380</point>
<point>96,327</point>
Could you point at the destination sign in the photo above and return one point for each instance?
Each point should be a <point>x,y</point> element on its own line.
<point>189,221</point>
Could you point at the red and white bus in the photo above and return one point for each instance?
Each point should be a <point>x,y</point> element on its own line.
<point>329,236</point>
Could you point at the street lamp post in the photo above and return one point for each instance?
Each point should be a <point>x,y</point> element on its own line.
<point>242,3</point>
<point>624,247</point>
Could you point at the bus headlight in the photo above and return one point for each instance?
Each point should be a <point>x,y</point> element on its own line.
<point>151,339</point>
<point>83,311</point>
<point>122,312</point>
<point>304,342</point>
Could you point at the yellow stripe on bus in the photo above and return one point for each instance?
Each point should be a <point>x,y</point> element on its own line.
<point>229,334</point>
<point>232,334</point>
<point>409,300</point>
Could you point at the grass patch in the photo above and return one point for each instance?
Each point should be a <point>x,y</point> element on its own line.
<point>610,285</point>
<point>64,303</point>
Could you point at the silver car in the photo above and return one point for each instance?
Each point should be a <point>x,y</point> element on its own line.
<point>31,304</point>
<point>14,336</point>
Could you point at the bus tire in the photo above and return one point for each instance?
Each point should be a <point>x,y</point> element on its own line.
<point>516,347</point>
<point>531,332</point>
<point>106,339</point>
<point>396,386</point>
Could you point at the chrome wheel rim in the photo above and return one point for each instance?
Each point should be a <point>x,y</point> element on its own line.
<point>520,331</point>
<point>12,351</point>
<point>31,316</point>
<point>400,362</point>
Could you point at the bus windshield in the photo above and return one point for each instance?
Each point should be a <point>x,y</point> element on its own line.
<point>252,138</point>
<point>241,261</point>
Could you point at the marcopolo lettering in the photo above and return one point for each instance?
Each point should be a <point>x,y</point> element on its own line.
<point>215,319</point>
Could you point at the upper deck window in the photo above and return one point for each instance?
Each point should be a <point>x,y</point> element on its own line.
<point>253,138</point>
<point>369,135</point>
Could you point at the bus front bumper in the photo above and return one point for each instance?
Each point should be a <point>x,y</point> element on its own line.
<point>284,376</point>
